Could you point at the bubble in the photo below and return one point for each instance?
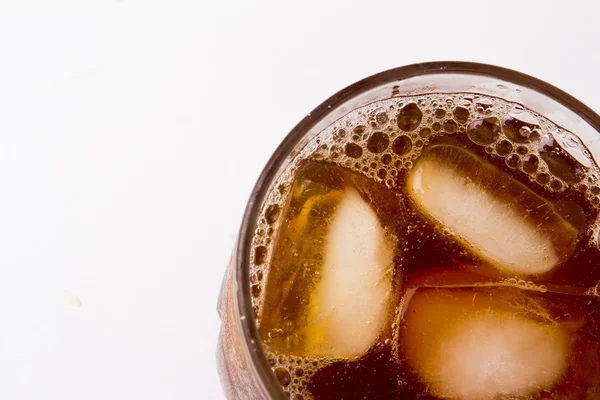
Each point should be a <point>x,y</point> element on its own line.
<point>425,132</point>
<point>450,126</point>
<point>389,182</point>
<point>402,145</point>
<point>461,114</point>
<point>556,185</point>
<point>522,150</point>
<point>436,126</point>
<point>525,131</point>
<point>542,178</point>
<point>484,131</point>
<point>419,143</point>
<point>260,255</point>
<point>341,133</point>
<point>272,213</point>
<point>359,129</point>
<point>409,117</point>
<point>386,159</point>
<point>378,142</point>
<point>259,275</point>
<point>299,397</point>
<point>381,173</point>
<point>299,372</point>
<point>353,150</point>
<point>504,148</point>
<point>513,161</point>
<point>283,376</point>
<point>440,113</point>
<point>530,164</point>
<point>382,118</point>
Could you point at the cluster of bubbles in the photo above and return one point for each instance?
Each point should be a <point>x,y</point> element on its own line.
<point>384,139</point>
<point>525,285</point>
<point>294,373</point>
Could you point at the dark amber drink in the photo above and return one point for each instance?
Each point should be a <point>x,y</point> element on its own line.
<point>430,233</point>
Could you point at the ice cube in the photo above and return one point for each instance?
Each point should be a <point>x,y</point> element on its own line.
<point>499,218</point>
<point>482,343</point>
<point>328,282</point>
<point>350,303</point>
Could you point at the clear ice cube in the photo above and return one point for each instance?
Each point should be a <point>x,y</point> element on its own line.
<point>329,287</point>
<point>500,219</point>
<point>350,303</point>
<point>476,343</point>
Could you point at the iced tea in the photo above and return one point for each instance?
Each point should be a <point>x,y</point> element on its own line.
<point>433,246</point>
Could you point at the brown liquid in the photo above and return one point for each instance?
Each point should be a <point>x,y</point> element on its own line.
<point>374,152</point>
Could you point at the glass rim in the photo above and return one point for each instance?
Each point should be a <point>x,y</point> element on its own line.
<point>249,329</point>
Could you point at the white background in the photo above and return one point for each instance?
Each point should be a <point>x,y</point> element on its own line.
<point>131,134</point>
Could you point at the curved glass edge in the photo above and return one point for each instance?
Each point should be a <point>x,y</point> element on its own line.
<point>318,119</point>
